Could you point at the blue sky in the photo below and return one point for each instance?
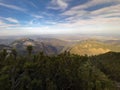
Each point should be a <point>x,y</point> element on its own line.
<point>21,17</point>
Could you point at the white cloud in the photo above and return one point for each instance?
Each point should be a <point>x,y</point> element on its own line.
<point>80,9</point>
<point>9,19</point>
<point>37,16</point>
<point>5,26</point>
<point>91,3</point>
<point>58,4</point>
<point>107,10</point>
<point>12,7</point>
<point>76,14</point>
<point>1,22</point>
<point>103,20</point>
<point>12,20</point>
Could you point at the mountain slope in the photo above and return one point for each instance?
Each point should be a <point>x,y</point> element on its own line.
<point>109,63</point>
<point>21,44</point>
<point>93,47</point>
<point>57,43</point>
<point>113,42</point>
<point>2,46</point>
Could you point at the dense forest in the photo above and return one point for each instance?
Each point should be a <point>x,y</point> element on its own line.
<point>60,72</point>
<point>108,63</point>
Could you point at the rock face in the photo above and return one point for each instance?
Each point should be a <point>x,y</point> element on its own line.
<point>91,47</point>
<point>21,45</point>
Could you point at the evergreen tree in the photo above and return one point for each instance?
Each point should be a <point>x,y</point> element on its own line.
<point>29,49</point>
<point>14,52</point>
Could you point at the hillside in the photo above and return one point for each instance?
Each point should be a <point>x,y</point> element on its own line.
<point>21,44</point>
<point>60,45</point>
<point>63,71</point>
<point>93,47</point>
<point>60,72</point>
<point>6,41</point>
<point>2,46</point>
<point>53,46</point>
<point>113,42</point>
<point>109,63</point>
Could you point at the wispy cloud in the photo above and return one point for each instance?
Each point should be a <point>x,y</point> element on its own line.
<point>12,7</point>
<point>107,10</point>
<point>37,16</point>
<point>32,4</point>
<point>92,3</point>
<point>77,13</point>
<point>95,21</point>
<point>58,4</point>
<point>77,19</point>
<point>4,25</point>
<point>10,19</point>
<point>80,9</point>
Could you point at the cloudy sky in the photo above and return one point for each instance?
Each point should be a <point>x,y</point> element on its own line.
<point>21,17</point>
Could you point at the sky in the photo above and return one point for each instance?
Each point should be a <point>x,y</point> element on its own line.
<point>27,17</point>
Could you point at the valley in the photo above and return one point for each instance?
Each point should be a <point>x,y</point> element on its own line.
<point>53,45</point>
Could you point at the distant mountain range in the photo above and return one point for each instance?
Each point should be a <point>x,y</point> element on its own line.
<point>2,46</point>
<point>53,46</point>
<point>93,47</point>
<point>21,45</point>
<point>113,42</point>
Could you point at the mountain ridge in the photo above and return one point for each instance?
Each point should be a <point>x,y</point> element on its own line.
<point>92,47</point>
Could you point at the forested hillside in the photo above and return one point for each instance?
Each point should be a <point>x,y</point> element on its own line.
<point>62,72</point>
<point>108,63</point>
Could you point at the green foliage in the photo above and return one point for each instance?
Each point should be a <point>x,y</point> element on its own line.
<point>29,49</point>
<point>62,72</point>
<point>3,54</point>
<point>108,63</point>
<point>14,52</point>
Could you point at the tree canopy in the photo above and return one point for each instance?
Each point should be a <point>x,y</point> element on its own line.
<point>62,72</point>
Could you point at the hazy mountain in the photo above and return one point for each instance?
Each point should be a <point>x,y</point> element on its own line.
<point>21,45</point>
<point>93,47</point>
<point>2,46</point>
<point>113,42</point>
<point>55,46</point>
<point>60,45</point>
<point>6,41</point>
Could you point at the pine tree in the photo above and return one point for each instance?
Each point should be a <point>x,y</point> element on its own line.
<point>29,49</point>
<point>14,52</point>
